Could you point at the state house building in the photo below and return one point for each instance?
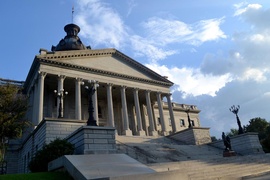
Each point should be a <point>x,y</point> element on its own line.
<point>128,96</point>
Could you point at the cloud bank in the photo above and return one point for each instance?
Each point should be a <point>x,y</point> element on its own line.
<point>239,75</point>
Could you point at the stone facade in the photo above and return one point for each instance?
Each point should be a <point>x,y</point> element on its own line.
<point>128,97</point>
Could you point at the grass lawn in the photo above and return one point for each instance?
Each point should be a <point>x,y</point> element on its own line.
<point>37,176</point>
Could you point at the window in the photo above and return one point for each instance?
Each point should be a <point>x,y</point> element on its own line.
<point>182,122</point>
<point>99,112</point>
<point>192,122</point>
<point>158,119</point>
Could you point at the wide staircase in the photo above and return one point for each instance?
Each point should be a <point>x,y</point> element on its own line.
<point>197,162</point>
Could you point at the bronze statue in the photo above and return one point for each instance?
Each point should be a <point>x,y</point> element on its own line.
<point>227,142</point>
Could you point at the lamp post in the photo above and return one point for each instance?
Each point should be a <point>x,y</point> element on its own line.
<point>234,109</point>
<point>60,95</point>
<point>189,121</point>
<point>91,91</point>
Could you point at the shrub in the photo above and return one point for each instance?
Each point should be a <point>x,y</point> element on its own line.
<point>49,152</point>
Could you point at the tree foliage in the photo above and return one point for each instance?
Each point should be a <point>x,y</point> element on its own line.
<point>262,127</point>
<point>50,152</point>
<point>13,106</point>
<point>257,125</point>
<point>232,132</point>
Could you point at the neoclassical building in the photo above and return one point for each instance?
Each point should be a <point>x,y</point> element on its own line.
<point>128,97</point>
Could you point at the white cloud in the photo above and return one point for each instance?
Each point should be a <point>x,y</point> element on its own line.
<point>153,53</point>
<point>244,7</point>
<point>254,74</point>
<point>165,31</point>
<point>100,23</point>
<point>209,30</point>
<point>191,81</point>
<point>131,5</point>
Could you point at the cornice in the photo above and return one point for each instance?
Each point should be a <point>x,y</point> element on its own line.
<point>101,72</point>
<point>101,52</point>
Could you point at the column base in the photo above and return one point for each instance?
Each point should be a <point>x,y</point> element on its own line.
<point>141,133</point>
<point>165,133</point>
<point>153,133</point>
<point>127,132</point>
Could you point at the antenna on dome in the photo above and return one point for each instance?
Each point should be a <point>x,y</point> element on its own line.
<point>72,13</point>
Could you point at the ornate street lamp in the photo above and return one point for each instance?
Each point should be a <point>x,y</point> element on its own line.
<point>234,109</point>
<point>91,91</point>
<point>189,121</point>
<point>60,95</point>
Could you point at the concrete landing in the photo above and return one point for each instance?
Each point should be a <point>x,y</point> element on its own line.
<point>85,167</point>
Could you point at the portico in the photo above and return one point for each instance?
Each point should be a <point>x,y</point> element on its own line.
<point>115,105</point>
<point>128,96</point>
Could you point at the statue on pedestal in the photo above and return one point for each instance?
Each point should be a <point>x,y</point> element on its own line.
<point>227,142</point>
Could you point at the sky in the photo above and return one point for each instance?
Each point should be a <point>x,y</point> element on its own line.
<point>216,52</point>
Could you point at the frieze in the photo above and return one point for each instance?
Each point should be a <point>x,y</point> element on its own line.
<point>101,72</point>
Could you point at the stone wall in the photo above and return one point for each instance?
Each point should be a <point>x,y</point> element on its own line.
<point>48,130</point>
<point>193,136</point>
<point>93,140</point>
<point>244,144</point>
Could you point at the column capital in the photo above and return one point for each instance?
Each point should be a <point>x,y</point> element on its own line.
<point>79,79</point>
<point>42,73</point>
<point>124,87</point>
<point>110,84</point>
<point>61,76</point>
<point>136,89</point>
<point>168,95</point>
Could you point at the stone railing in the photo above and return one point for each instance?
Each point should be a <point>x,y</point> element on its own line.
<point>193,136</point>
<point>243,144</point>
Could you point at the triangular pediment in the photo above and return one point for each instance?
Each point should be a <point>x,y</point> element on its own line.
<point>107,61</point>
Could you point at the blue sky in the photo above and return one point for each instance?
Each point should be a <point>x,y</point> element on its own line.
<point>215,51</point>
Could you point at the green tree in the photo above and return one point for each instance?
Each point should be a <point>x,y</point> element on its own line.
<point>50,152</point>
<point>266,141</point>
<point>13,106</point>
<point>258,125</point>
<point>233,132</point>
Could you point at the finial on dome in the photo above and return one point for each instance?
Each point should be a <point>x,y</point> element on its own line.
<point>72,13</point>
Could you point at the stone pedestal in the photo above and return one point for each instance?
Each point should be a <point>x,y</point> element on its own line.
<point>141,133</point>
<point>93,140</point>
<point>127,132</point>
<point>153,133</point>
<point>193,136</point>
<point>244,144</point>
<point>229,153</point>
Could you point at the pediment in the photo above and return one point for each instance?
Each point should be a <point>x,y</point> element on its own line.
<point>108,61</point>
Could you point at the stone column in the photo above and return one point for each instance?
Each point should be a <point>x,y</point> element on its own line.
<point>161,115</point>
<point>174,129</point>
<point>95,103</point>
<point>141,132</point>
<point>126,130</point>
<point>61,79</point>
<point>41,78</point>
<point>78,101</point>
<point>35,101</point>
<point>110,105</point>
<point>152,130</point>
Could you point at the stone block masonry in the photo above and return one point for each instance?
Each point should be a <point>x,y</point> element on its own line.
<point>193,136</point>
<point>48,130</point>
<point>93,140</point>
<point>244,144</point>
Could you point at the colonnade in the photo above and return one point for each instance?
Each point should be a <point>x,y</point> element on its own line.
<point>38,93</point>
